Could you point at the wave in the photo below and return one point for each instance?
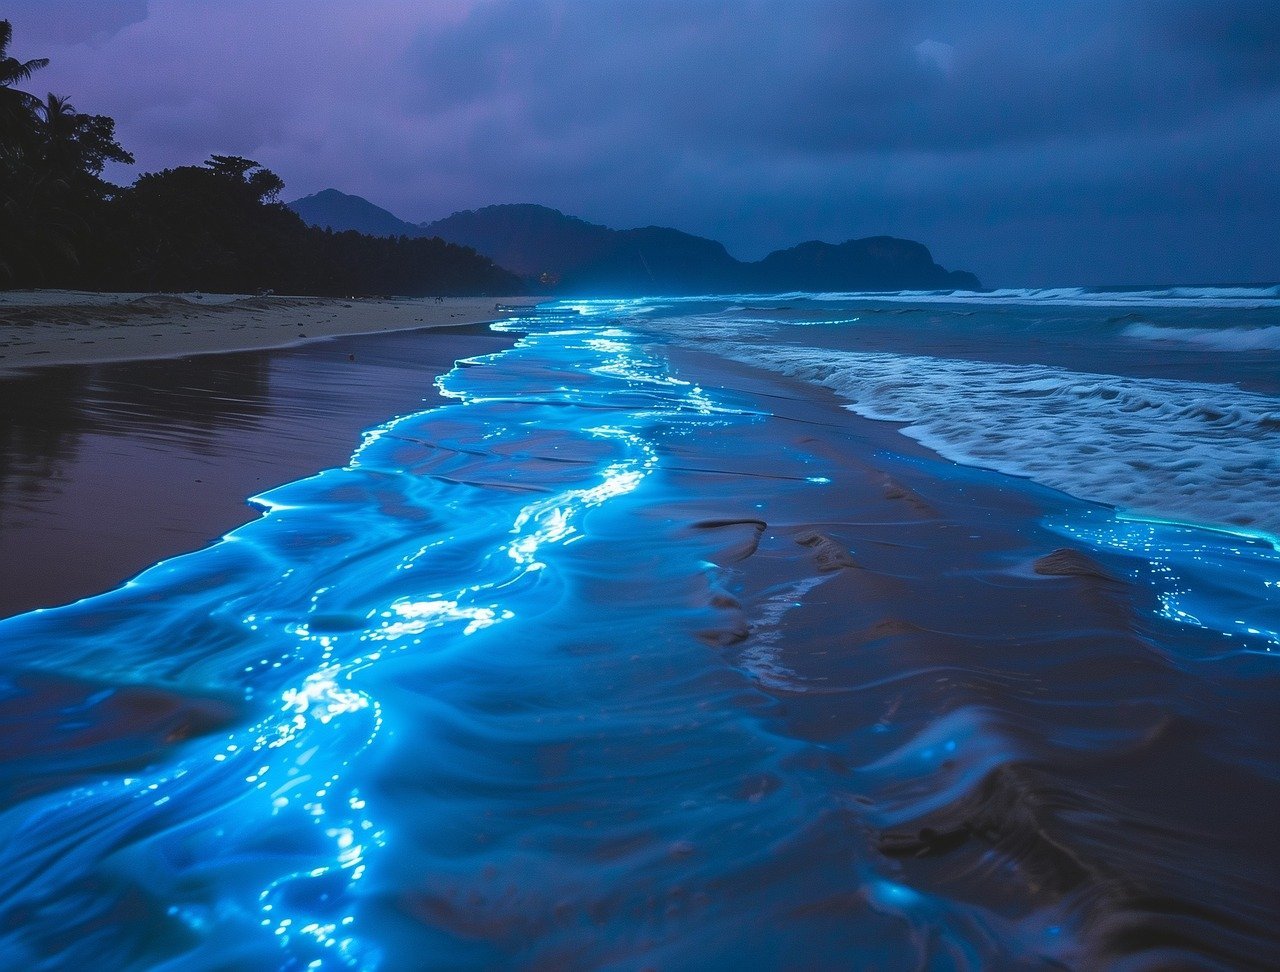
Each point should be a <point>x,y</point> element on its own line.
<point>1221,339</point>
<point>1198,451</point>
<point>1262,296</point>
<point>447,529</point>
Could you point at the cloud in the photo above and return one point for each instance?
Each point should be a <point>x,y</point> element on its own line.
<point>761,123</point>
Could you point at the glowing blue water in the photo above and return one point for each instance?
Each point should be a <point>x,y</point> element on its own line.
<point>506,694</point>
<point>447,546</point>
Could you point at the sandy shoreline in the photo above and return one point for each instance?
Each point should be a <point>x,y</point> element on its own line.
<point>110,467</point>
<point>784,620</point>
<point>69,327</point>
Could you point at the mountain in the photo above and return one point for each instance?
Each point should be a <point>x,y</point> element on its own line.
<point>873,263</point>
<point>526,239</point>
<point>570,255</point>
<point>562,253</point>
<point>338,211</point>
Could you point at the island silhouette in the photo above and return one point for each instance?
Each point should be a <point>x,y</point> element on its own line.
<point>556,252</point>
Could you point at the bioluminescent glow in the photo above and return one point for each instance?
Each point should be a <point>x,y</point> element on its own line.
<point>1215,579</point>
<point>631,656</point>
<point>310,624</point>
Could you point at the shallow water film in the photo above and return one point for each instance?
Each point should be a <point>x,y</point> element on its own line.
<point>638,655</point>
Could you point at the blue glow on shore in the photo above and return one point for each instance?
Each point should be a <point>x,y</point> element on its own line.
<point>501,665</point>
<point>307,625</point>
<point>1218,579</point>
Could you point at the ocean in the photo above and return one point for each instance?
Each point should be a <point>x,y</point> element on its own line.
<point>820,630</point>
<point>1164,402</point>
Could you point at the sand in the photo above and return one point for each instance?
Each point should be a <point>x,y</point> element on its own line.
<point>70,327</point>
<point>107,468</point>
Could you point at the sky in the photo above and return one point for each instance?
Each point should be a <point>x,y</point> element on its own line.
<point>1036,143</point>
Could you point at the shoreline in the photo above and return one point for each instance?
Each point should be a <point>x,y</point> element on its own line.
<point>768,606</point>
<point>56,327</point>
<point>776,609</point>
<point>109,467</point>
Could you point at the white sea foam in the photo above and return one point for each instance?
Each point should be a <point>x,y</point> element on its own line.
<point>1221,339</point>
<point>1199,451</point>
<point>1237,297</point>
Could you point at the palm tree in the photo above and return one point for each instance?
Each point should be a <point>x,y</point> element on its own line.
<point>11,69</point>
<point>51,163</point>
<point>16,107</point>
<point>31,228</point>
<point>58,122</point>
<point>76,146</point>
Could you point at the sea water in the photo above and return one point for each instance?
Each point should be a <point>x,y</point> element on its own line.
<point>1158,401</point>
<point>633,655</point>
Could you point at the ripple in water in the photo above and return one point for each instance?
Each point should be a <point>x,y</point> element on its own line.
<point>439,533</point>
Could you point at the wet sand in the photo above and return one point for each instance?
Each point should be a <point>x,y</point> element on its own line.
<point>108,468</point>
<point>1008,721</point>
<point>62,327</point>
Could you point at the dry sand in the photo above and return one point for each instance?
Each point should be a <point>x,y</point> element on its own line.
<point>62,327</point>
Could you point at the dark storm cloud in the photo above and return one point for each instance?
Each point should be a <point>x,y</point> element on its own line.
<point>852,76</point>
<point>1027,140</point>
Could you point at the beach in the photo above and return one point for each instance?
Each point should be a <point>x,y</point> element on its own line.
<point>63,327</point>
<point>858,547</point>
<point>108,466</point>
<point>644,636</point>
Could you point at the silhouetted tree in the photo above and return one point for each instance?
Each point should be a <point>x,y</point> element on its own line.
<point>77,146</point>
<point>19,178</point>
<point>16,107</point>
<point>51,162</point>
<point>216,227</point>
<point>201,228</point>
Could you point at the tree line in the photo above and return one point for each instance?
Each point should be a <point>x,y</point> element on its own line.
<point>216,227</point>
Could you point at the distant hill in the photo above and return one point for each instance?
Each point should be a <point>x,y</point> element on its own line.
<point>331,209</point>
<point>562,253</point>
<point>526,239</point>
<point>872,263</point>
<point>568,254</point>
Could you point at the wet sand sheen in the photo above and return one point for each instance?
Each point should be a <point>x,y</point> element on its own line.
<point>1016,729</point>
<point>635,656</point>
<point>106,469</point>
<point>43,327</point>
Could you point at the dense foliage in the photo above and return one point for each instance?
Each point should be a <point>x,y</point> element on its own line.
<point>215,227</point>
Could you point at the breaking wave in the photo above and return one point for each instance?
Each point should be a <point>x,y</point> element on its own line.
<point>1264,296</point>
<point>1220,339</point>
<point>1200,451</point>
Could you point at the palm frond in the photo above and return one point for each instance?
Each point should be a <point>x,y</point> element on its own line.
<point>13,71</point>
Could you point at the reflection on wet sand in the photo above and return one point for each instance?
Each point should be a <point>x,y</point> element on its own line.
<point>105,469</point>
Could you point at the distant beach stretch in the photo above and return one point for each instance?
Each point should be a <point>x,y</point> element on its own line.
<point>59,327</point>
